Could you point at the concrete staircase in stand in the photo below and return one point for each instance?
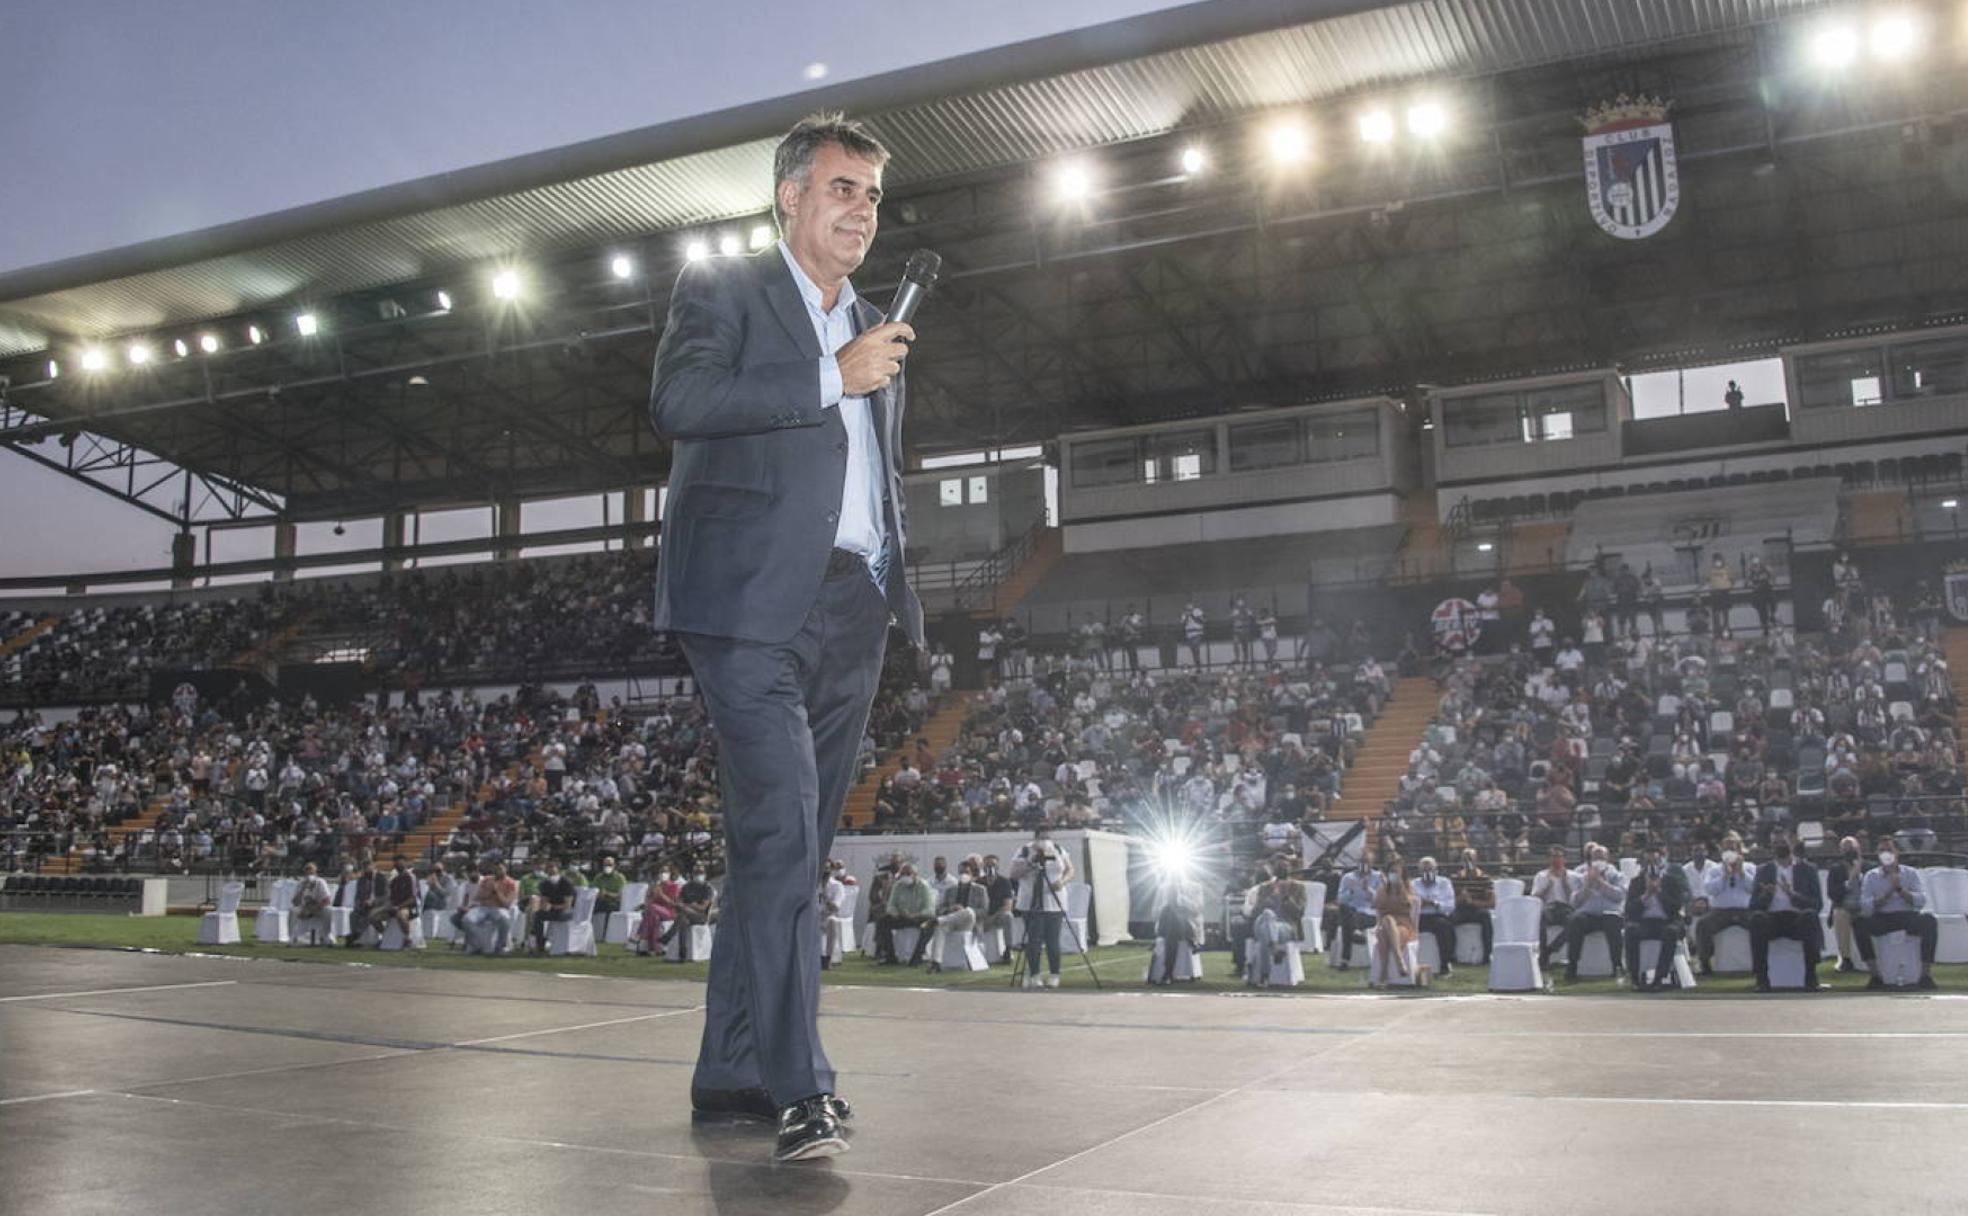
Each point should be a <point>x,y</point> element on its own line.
<point>941,730</point>
<point>1382,758</point>
<point>1047,549</point>
<point>28,636</point>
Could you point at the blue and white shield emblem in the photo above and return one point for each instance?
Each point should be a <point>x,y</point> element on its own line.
<point>1631,180</point>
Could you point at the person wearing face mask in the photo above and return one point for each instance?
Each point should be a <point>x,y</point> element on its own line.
<point>1435,902</point>
<point>1841,881</point>
<point>1890,898</point>
<point>911,905</point>
<point>962,904</point>
<point>608,885</point>
<point>1602,896</point>
<point>1475,900</point>
<point>1277,911</point>
<point>1786,903</point>
<point>1729,888</point>
<point>1357,888</point>
<point>1556,887</point>
<point>659,911</point>
<point>999,893</point>
<point>1656,906</point>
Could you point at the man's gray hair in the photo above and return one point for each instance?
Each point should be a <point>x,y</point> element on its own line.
<point>793,160</point>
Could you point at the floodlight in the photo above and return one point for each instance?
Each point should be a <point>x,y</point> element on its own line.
<point>728,244</point>
<point>54,370</point>
<point>1194,160</point>
<point>1174,858</point>
<point>1947,504</point>
<point>180,347</point>
<point>1427,119</point>
<point>1895,35</point>
<point>761,236</point>
<point>255,334</point>
<point>696,251</point>
<point>444,301</point>
<point>1484,546</point>
<point>1377,126</point>
<point>308,324</point>
<point>209,343</point>
<point>139,353</point>
<point>1835,46</point>
<point>1073,181</point>
<point>94,360</point>
<point>505,284</point>
<point>621,267</point>
<point>816,71</point>
<point>1286,141</point>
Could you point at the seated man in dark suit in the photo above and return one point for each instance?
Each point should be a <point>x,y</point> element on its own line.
<point>1656,910</point>
<point>1786,901</point>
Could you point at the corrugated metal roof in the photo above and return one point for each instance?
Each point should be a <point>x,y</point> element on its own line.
<point>936,137</point>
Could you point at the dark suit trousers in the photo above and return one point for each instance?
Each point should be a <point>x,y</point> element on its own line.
<point>1581,924</point>
<point>1915,924</point>
<point>1803,926</point>
<point>789,716</point>
<point>1651,929</point>
<point>1444,931</point>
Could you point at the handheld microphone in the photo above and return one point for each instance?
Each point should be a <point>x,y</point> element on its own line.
<point>918,278</point>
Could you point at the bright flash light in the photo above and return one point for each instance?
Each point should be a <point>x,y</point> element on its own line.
<point>1427,119</point>
<point>621,267</point>
<point>1484,546</point>
<point>255,334</point>
<point>696,251</point>
<point>139,353</point>
<point>54,369</point>
<point>761,236</point>
<point>1287,142</point>
<point>444,301</point>
<point>1835,46</point>
<point>1074,182</point>
<point>728,244</point>
<point>1174,858</point>
<point>209,343</point>
<point>1376,126</point>
<point>180,347</point>
<point>1193,160</point>
<point>308,324</point>
<point>1895,36</point>
<point>1947,504</point>
<point>505,285</point>
<point>94,360</point>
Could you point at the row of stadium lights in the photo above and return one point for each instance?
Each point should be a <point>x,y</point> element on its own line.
<point>507,285</point>
<point>1839,44</point>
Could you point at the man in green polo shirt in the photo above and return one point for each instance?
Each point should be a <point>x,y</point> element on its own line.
<point>608,886</point>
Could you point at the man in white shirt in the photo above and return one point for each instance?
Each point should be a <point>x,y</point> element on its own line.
<point>1890,898</point>
<point>1435,900</point>
<point>1730,886</point>
<point>1786,903</point>
<point>1357,888</point>
<point>1601,898</point>
<point>1555,887</point>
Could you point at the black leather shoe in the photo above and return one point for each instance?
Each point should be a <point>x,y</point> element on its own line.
<point>843,1113</point>
<point>732,1106</point>
<point>808,1129</point>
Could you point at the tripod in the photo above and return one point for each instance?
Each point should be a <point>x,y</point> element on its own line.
<point>1018,967</point>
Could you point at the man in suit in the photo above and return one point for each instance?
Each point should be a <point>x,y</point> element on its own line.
<point>780,569</point>
<point>959,907</point>
<point>1785,902</point>
<point>1656,910</point>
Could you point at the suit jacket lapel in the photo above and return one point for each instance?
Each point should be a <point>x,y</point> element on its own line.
<point>784,295</point>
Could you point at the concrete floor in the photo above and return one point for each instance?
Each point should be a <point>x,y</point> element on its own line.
<point>162,1084</point>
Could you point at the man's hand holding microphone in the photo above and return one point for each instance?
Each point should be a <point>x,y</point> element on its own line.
<point>874,358</point>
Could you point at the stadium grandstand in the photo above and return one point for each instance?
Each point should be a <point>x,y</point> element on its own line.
<point>1321,459</point>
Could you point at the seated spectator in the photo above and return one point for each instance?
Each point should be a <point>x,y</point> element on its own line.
<point>1890,898</point>
<point>1655,910</point>
<point>911,905</point>
<point>695,905</point>
<point>608,885</point>
<point>1394,928</point>
<point>1475,900</point>
<point>372,904</point>
<point>1434,898</point>
<point>960,906</point>
<point>1786,903</point>
<point>1557,888</point>
<point>1730,886</point>
<point>553,904</point>
<point>1601,898</point>
<point>1355,909</point>
<point>1277,916</point>
<point>1842,883</point>
<point>310,907</point>
<point>493,901</point>
<point>659,911</point>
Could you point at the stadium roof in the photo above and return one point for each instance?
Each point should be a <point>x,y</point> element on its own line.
<point>1160,294</point>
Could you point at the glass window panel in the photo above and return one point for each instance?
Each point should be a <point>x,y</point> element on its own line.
<point>1180,455</point>
<point>1476,421</point>
<point>980,489</point>
<point>1565,410</point>
<point>1265,445</point>
<point>1839,379</point>
<point>1107,462</point>
<point>1925,369</point>
<point>1350,436</point>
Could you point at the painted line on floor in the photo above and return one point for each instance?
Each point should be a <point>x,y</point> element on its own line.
<point>67,1093</point>
<point>528,1034</point>
<point>50,996</point>
<point>1803,1103</point>
<point>1296,1205</point>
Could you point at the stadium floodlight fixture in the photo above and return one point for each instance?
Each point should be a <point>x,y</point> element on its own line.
<point>728,245</point>
<point>444,301</point>
<point>1835,46</point>
<point>505,284</point>
<point>1194,159</point>
<point>209,343</point>
<point>1285,139</point>
<point>308,324</point>
<point>1427,119</point>
<point>761,236</point>
<point>1073,181</point>
<point>138,353</point>
<point>180,347</point>
<point>54,369</point>
<point>94,360</point>
<point>1949,504</point>
<point>1377,126</point>
<point>1895,35</point>
<point>697,250</point>
<point>620,266</point>
<point>816,71</point>
<point>255,334</point>
<point>1485,546</point>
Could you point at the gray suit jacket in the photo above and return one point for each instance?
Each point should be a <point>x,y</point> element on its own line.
<point>758,466</point>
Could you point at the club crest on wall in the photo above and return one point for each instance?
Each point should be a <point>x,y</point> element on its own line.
<point>1632,182</point>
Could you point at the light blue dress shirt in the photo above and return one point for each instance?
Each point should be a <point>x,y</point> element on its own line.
<point>860,529</point>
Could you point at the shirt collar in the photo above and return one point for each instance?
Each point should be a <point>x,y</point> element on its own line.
<point>808,289</point>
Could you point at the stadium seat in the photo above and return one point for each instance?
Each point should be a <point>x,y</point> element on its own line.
<point>270,924</point>
<point>575,935</point>
<point>221,927</point>
<point>704,937</point>
<point>619,926</point>
<point>1732,953</point>
<point>1684,975</point>
<point>1392,975</point>
<point>393,935</point>
<point>1786,963</point>
<point>1079,900</point>
<point>961,951</point>
<point>1947,895</point>
<point>1188,962</point>
<point>1312,937</point>
<point>1897,958</point>
<point>1514,957</point>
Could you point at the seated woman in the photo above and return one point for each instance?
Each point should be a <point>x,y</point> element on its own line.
<point>1394,929</point>
<point>659,908</point>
